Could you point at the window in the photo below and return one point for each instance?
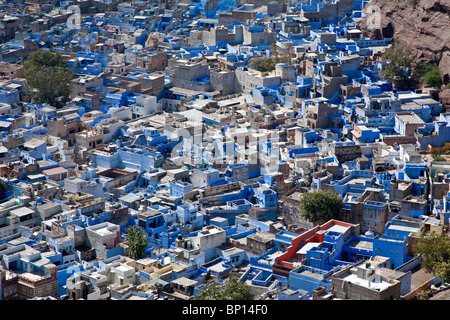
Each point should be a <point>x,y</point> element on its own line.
<point>40,291</point>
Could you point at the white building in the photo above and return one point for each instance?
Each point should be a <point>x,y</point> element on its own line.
<point>201,248</point>
<point>123,274</point>
<point>145,105</point>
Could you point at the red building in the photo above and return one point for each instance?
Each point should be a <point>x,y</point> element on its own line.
<point>293,255</point>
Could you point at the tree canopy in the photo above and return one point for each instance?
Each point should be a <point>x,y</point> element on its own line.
<point>49,74</point>
<point>435,252</point>
<point>233,289</point>
<point>405,72</point>
<point>399,68</point>
<point>267,64</point>
<point>137,241</point>
<point>438,157</point>
<point>320,206</point>
<point>429,73</point>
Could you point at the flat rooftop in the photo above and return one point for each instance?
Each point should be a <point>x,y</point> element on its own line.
<point>359,181</point>
<point>210,230</point>
<point>136,297</point>
<point>183,281</point>
<point>103,231</point>
<point>410,119</point>
<point>403,228</point>
<point>307,247</point>
<point>310,274</point>
<point>31,276</point>
<point>18,240</point>
<point>337,228</point>
<point>20,212</point>
<point>379,286</point>
<point>360,244</point>
<point>218,267</point>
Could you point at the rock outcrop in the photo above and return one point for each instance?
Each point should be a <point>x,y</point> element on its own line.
<point>444,97</point>
<point>422,25</point>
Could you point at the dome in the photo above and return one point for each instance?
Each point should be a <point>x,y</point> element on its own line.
<point>369,234</point>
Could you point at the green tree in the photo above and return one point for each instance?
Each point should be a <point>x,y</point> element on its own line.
<point>233,289</point>
<point>137,241</point>
<point>438,157</point>
<point>433,77</point>
<point>429,73</point>
<point>399,67</point>
<point>320,206</point>
<point>267,64</point>
<point>49,74</point>
<point>264,64</point>
<point>435,252</point>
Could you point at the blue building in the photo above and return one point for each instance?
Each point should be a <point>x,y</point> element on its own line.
<point>169,236</point>
<point>87,63</point>
<point>265,96</point>
<point>413,170</point>
<point>393,244</point>
<point>117,99</point>
<point>355,182</point>
<point>34,149</point>
<point>308,278</point>
<point>262,281</point>
<point>133,157</point>
<point>265,197</point>
<point>189,214</point>
<point>364,134</point>
<point>44,113</point>
<point>153,223</point>
<point>179,188</point>
<point>9,95</point>
<point>206,177</point>
<point>436,139</point>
